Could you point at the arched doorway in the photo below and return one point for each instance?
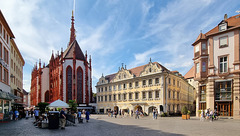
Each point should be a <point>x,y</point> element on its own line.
<point>138,107</point>
<point>150,110</point>
<point>116,109</point>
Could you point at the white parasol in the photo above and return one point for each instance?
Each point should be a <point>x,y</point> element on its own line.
<point>58,104</point>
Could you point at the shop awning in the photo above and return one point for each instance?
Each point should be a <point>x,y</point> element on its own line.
<point>6,96</point>
<point>87,108</point>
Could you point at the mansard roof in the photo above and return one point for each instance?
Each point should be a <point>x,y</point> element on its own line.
<point>135,71</point>
<point>68,53</point>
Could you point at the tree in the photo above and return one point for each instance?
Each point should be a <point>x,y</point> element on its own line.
<point>72,105</point>
<point>184,110</point>
<point>42,106</point>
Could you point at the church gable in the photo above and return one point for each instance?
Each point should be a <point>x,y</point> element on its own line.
<point>151,68</point>
<point>69,52</point>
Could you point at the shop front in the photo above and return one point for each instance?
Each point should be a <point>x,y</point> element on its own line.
<point>5,105</point>
<point>223,98</point>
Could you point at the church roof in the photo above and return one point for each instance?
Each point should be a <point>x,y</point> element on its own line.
<point>68,53</point>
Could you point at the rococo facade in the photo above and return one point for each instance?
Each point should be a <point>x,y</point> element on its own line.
<point>146,87</point>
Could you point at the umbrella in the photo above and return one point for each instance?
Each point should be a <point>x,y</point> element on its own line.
<point>58,104</point>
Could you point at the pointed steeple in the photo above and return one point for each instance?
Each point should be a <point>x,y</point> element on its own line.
<point>72,35</point>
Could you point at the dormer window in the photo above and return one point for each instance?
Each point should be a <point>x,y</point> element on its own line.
<point>222,27</point>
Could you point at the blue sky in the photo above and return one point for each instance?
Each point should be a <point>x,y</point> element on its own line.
<point>114,31</point>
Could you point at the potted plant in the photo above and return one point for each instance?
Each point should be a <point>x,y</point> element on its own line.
<point>184,112</point>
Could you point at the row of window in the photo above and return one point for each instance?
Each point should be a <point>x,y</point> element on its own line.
<point>223,91</point>
<point>3,74</point>
<point>130,96</point>
<point>16,69</point>
<point>16,56</point>
<point>223,42</point>
<point>17,82</point>
<point>223,65</point>
<point>174,107</point>
<point>3,53</point>
<point>173,82</point>
<point>173,95</point>
<point>130,85</point>
<point>4,34</point>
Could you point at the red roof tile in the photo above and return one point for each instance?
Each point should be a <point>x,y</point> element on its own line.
<point>232,22</point>
<point>190,73</point>
<point>135,71</point>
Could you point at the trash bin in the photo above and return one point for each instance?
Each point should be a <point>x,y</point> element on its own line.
<point>53,120</point>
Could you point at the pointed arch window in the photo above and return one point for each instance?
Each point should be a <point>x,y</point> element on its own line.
<point>47,96</point>
<point>69,83</point>
<point>79,85</point>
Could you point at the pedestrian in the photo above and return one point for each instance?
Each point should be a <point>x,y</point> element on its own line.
<point>202,116</point>
<point>120,113</point>
<point>115,113</point>
<point>111,113</point>
<point>62,118</point>
<point>79,116</point>
<point>36,114</point>
<point>31,113</point>
<point>87,115</point>
<point>16,114</point>
<point>26,114</point>
<point>211,116</point>
<point>154,112</point>
<point>131,113</point>
<point>11,115</point>
<point>137,114</point>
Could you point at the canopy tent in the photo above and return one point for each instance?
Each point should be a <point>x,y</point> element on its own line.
<point>58,104</point>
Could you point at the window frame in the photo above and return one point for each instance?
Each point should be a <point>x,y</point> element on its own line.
<point>227,63</point>
<point>225,45</point>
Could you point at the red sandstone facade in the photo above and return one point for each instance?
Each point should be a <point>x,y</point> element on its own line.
<point>66,77</point>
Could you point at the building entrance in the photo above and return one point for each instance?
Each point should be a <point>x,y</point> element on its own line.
<point>224,109</point>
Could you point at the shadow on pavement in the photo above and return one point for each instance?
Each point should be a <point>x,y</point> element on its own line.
<point>93,128</point>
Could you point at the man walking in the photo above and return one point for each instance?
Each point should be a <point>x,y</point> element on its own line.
<point>62,119</point>
<point>87,115</point>
<point>36,114</point>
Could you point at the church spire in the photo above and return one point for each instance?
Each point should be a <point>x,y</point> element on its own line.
<point>72,35</point>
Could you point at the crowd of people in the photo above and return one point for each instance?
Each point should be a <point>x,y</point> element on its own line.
<point>17,114</point>
<point>208,115</point>
<point>43,117</point>
<point>138,113</point>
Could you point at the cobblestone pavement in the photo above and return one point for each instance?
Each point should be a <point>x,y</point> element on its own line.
<point>102,125</point>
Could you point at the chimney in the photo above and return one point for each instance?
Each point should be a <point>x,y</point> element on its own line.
<point>225,17</point>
